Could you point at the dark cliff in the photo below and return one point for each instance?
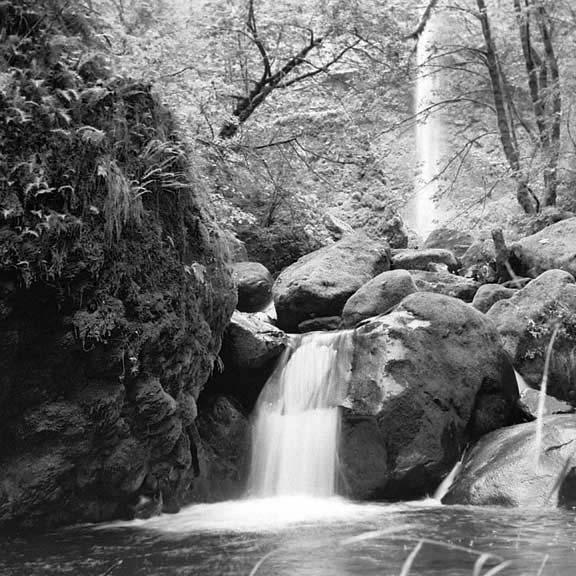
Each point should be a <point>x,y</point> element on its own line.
<point>114,292</point>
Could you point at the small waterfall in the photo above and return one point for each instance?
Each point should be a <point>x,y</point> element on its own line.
<point>446,484</point>
<point>296,431</point>
<point>422,211</point>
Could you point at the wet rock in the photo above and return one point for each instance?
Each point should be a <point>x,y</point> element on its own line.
<point>429,259</point>
<point>377,296</point>
<point>441,282</point>
<point>250,342</point>
<point>254,284</point>
<point>551,248</point>
<point>454,240</point>
<point>33,482</point>
<point>504,469</point>
<point>225,446</point>
<point>531,398</point>
<point>320,324</point>
<point>319,284</point>
<point>526,323</point>
<point>249,352</point>
<point>363,456</point>
<point>432,375</point>
<point>489,294</point>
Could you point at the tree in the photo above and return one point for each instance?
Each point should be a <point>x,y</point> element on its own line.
<point>285,74</point>
<point>524,87</point>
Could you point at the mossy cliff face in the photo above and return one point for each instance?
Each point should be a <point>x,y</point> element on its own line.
<point>114,292</point>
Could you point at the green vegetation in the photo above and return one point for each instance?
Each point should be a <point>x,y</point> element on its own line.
<point>101,208</point>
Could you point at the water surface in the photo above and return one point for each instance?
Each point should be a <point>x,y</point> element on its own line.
<point>305,537</point>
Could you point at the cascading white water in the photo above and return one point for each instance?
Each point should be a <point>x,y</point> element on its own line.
<point>422,212</point>
<point>296,429</point>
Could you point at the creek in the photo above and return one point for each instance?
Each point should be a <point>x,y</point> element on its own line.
<point>304,537</point>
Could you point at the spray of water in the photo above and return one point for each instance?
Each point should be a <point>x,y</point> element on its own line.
<point>296,429</point>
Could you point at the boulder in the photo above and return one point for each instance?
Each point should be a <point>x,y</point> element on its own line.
<point>250,342</point>
<point>249,352</point>
<point>336,227</point>
<point>430,259</point>
<point>254,284</point>
<point>526,323</point>
<point>532,223</point>
<point>489,294</point>
<point>426,379</point>
<point>505,469</point>
<point>320,283</point>
<point>454,240</point>
<point>321,324</point>
<point>441,282</point>
<point>224,431</point>
<point>377,296</point>
<point>553,247</point>
<point>479,261</point>
<point>531,398</point>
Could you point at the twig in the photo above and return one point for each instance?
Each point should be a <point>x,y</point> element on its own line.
<point>112,567</point>
<point>542,398</point>
<point>261,561</point>
<point>544,560</point>
<point>479,564</point>
<point>408,562</point>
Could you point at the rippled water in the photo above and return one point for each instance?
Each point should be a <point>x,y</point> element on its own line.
<point>305,537</point>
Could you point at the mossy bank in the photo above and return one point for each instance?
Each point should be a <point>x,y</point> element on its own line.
<point>114,291</point>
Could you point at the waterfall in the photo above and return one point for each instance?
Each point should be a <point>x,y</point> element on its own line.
<point>422,212</point>
<point>296,429</point>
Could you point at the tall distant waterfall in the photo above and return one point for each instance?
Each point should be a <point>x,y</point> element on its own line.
<point>296,431</point>
<point>422,212</point>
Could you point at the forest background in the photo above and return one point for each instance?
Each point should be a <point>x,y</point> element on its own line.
<point>295,113</point>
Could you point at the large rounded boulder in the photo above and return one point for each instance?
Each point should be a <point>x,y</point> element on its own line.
<point>443,282</point>
<point>250,350</point>
<point>428,259</point>
<point>426,379</point>
<point>320,283</point>
<point>254,285</point>
<point>551,248</point>
<point>488,294</point>
<point>509,468</point>
<point>377,296</point>
<point>527,321</point>
<point>454,240</point>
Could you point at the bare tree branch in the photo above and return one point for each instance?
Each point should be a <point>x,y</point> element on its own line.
<point>423,20</point>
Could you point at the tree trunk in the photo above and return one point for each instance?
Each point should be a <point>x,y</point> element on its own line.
<point>554,115</point>
<point>505,124</point>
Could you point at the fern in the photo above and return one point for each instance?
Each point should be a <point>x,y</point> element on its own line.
<point>123,204</point>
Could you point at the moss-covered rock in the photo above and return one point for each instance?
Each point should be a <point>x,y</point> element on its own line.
<point>114,290</point>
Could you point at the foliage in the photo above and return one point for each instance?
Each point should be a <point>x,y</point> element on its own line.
<point>97,326</point>
<point>277,246</point>
<point>310,144</point>
<point>81,150</point>
<point>537,155</point>
<point>100,205</point>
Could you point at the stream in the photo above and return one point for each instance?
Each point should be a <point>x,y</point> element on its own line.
<point>304,536</point>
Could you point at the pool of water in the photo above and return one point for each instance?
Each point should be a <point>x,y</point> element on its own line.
<point>306,537</point>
